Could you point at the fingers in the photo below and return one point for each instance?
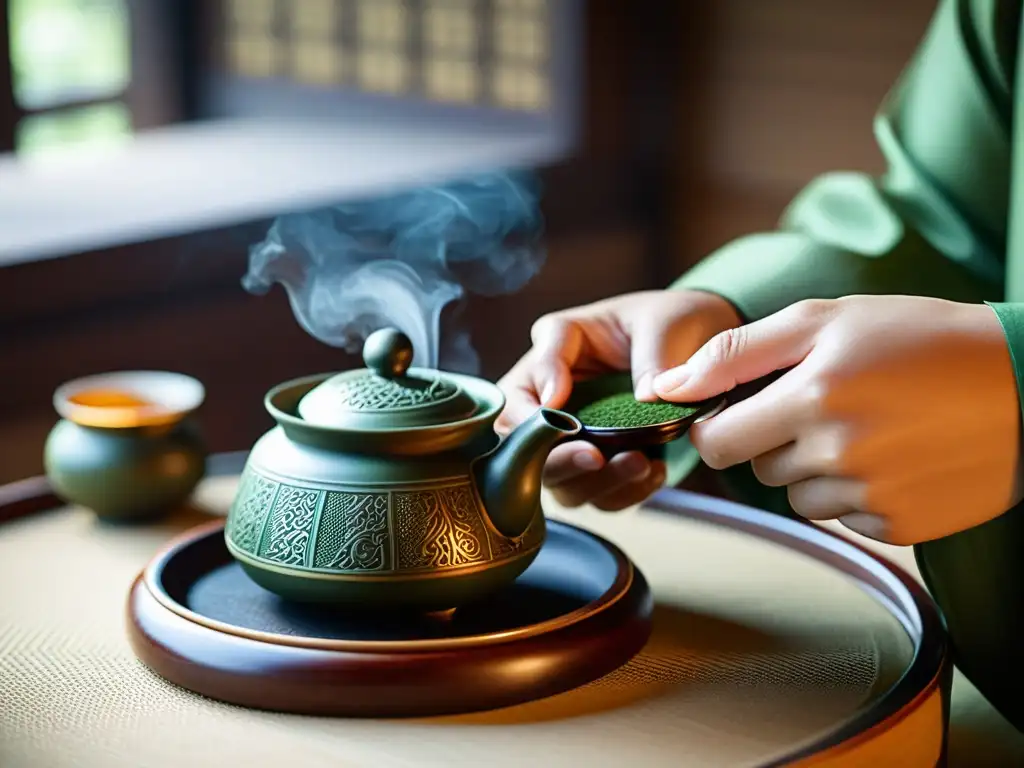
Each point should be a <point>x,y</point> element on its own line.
<point>571,460</point>
<point>746,353</point>
<point>520,403</point>
<point>624,476</point>
<point>837,498</point>
<point>761,424</point>
<point>633,493</point>
<point>557,344</point>
<point>578,474</point>
<point>827,498</point>
<point>544,375</point>
<point>655,346</point>
<point>663,337</point>
<point>820,452</point>
<point>873,526</point>
<point>812,470</point>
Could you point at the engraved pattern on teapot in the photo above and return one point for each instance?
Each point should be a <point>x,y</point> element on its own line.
<point>255,498</point>
<point>439,528</point>
<point>378,394</point>
<point>352,534</point>
<point>287,539</point>
<point>340,531</point>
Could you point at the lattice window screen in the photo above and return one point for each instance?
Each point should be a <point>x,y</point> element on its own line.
<point>492,52</point>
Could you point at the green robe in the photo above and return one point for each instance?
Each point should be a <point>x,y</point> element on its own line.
<point>946,219</point>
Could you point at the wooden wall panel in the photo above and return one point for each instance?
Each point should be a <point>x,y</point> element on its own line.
<point>792,85</point>
<point>782,91</point>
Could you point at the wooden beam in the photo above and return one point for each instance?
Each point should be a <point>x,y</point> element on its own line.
<point>8,105</point>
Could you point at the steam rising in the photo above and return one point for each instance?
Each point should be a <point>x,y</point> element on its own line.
<point>400,260</point>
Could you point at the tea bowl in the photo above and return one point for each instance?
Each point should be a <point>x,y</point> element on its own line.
<point>127,445</point>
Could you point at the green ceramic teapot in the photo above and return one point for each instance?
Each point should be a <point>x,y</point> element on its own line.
<point>386,487</point>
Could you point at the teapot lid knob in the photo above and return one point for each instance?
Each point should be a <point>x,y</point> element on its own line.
<point>388,353</point>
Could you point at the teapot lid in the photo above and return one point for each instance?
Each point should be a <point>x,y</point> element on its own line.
<point>387,394</point>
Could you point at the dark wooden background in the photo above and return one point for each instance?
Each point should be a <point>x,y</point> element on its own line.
<point>702,120</point>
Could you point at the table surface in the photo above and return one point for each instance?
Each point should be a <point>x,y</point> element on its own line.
<point>74,695</point>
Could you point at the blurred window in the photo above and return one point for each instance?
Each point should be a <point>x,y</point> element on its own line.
<point>71,66</point>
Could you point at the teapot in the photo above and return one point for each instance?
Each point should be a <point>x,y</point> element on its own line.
<point>386,487</point>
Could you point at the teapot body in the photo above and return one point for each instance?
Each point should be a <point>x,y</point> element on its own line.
<point>387,488</point>
<point>371,530</point>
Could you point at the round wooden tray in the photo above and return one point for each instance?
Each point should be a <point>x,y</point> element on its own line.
<point>773,643</point>
<point>578,613</point>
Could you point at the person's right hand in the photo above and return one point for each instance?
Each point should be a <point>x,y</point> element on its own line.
<point>645,333</point>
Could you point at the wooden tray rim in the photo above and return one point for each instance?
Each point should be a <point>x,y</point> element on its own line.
<point>626,577</point>
<point>895,590</point>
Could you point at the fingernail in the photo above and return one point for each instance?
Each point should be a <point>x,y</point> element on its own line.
<point>643,389</point>
<point>587,461</point>
<point>672,379</point>
<point>547,393</point>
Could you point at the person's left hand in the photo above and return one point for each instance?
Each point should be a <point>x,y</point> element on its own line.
<point>900,416</point>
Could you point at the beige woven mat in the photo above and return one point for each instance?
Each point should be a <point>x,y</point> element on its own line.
<point>755,651</point>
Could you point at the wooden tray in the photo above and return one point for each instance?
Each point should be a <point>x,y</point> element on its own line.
<point>773,643</point>
<point>579,612</point>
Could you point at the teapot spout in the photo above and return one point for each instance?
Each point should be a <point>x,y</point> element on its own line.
<point>510,478</point>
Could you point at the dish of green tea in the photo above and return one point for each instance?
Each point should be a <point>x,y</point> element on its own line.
<point>614,419</point>
<point>623,410</point>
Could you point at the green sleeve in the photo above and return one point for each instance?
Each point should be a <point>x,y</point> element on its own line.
<point>1011,317</point>
<point>935,222</point>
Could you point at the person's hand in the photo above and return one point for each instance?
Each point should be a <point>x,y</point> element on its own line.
<point>644,333</point>
<point>900,416</point>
